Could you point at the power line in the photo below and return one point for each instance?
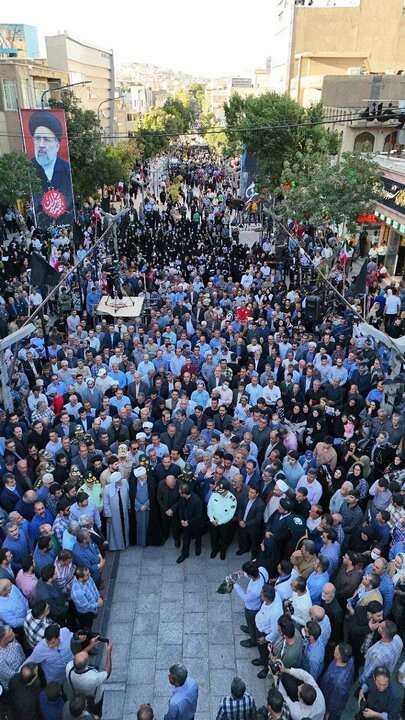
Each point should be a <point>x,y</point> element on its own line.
<point>214,131</point>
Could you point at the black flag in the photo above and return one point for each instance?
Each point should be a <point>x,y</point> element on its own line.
<point>42,273</point>
<point>359,285</point>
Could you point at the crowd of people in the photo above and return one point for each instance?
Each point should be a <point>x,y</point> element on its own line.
<point>241,404</point>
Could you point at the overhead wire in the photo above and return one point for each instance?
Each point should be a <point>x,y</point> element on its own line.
<point>142,132</point>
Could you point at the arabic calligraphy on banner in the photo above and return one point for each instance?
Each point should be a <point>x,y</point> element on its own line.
<point>393,194</point>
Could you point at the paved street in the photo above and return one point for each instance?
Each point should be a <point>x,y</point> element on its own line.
<point>163,613</point>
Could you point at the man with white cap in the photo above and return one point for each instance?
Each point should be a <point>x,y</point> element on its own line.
<point>279,492</point>
<point>92,393</point>
<point>103,382</point>
<point>140,504</point>
<point>116,511</point>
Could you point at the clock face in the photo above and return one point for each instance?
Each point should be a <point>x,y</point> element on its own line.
<point>221,507</point>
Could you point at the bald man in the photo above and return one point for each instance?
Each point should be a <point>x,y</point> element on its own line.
<point>335,614</point>
<point>87,680</point>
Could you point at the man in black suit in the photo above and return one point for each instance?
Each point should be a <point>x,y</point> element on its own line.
<point>191,518</point>
<point>250,517</point>
<point>165,467</point>
<point>32,368</point>
<point>110,339</point>
<point>138,386</point>
<point>172,437</point>
<point>10,495</point>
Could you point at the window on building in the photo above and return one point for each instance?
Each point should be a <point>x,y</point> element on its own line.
<point>364,142</point>
<point>390,142</point>
<point>10,95</point>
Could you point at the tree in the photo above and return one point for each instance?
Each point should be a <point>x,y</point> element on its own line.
<point>337,194</point>
<point>85,144</point>
<point>157,127</point>
<point>217,140</point>
<point>197,90</point>
<point>275,129</point>
<point>18,178</point>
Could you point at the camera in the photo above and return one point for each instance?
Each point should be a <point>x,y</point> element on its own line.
<point>274,667</point>
<point>235,576</point>
<point>103,639</point>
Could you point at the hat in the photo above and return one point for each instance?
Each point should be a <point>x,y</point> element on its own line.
<point>282,485</point>
<point>89,380</point>
<point>223,486</point>
<point>139,471</point>
<point>102,372</point>
<point>39,382</point>
<point>122,450</point>
<point>45,119</point>
<point>90,478</point>
<point>74,471</point>
<point>255,374</point>
<point>140,436</point>
<point>296,524</point>
<point>115,477</point>
<point>148,425</point>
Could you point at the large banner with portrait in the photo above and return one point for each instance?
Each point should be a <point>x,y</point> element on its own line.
<point>248,191</point>
<point>46,145</point>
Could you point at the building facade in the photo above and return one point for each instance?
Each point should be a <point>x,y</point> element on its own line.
<point>18,41</point>
<point>390,212</point>
<point>345,97</point>
<point>83,63</point>
<point>22,83</point>
<point>314,38</point>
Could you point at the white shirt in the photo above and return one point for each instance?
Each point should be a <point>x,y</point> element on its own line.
<point>267,618</point>
<point>251,596</point>
<point>301,605</point>
<point>297,709</point>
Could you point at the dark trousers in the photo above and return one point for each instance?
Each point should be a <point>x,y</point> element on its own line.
<point>172,522</point>
<point>85,620</point>
<point>221,536</point>
<point>188,536</point>
<point>263,650</point>
<point>250,616</point>
<point>248,541</point>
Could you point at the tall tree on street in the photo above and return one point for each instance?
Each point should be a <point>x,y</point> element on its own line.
<point>18,178</point>
<point>275,129</point>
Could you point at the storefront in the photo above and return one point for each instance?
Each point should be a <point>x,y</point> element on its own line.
<point>391,213</point>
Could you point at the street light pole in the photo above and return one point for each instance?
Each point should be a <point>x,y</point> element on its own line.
<point>61,87</point>
<point>106,101</point>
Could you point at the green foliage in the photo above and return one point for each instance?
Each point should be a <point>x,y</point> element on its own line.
<point>18,178</point>
<point>93,163</point>
<point>85,144</point>
<point>197,90</point>
<point>218,141</point>
<point>338,193</point>
<point>289,138</point>
<point>174,118</point>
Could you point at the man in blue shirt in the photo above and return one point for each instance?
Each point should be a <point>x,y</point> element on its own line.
<point>330,549</point>
<point>313,654</point>
<point>380,567</point>
<point>184,697</point>
<point>85,553</point>
<point>42,516</point>
<point>317,580</point>
<point>13,605</point>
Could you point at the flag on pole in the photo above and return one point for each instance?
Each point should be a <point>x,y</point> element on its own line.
<point>359,286</point>
<point>42,273</point>
<point>343,253</point>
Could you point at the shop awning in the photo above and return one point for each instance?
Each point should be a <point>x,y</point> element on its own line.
<point>367,218</point>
